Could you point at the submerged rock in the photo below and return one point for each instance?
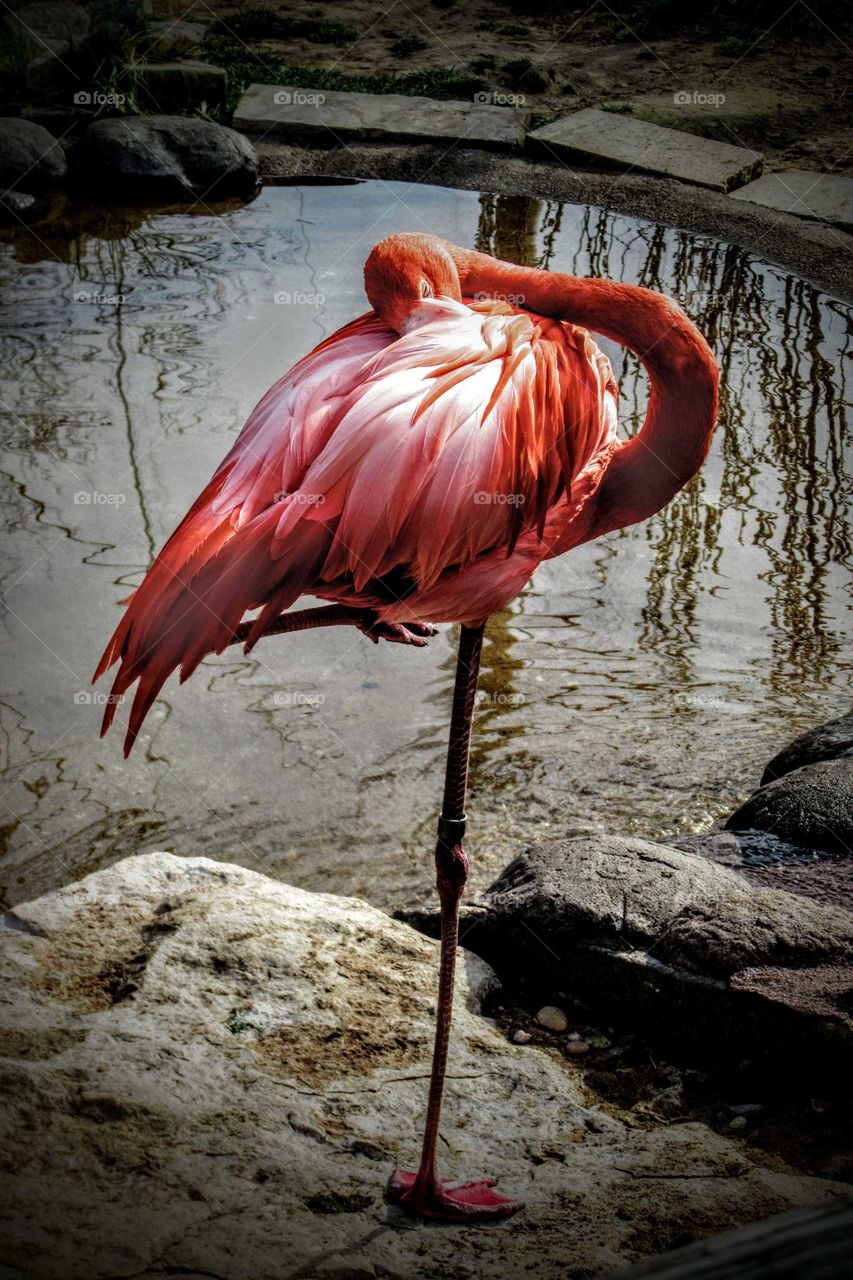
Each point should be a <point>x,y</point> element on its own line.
<point>157,157</point>
<point>811,806</point>
<point>826,742</point>
<point>207,1072</point>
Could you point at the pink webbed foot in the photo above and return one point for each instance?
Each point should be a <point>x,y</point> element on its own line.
<point>450,1202</point>
<point>413,633</point>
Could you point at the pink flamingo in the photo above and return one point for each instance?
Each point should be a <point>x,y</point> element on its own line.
<point>415,468</point>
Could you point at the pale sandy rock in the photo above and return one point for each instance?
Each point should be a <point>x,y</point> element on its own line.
<point>206,1072</point>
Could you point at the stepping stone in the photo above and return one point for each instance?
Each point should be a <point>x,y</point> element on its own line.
<point>283,111</point>
<point>824,197</point>
<point>647,148</point>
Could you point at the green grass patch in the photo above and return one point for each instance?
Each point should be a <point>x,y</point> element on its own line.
<point>246,67</point>
<point>263,24</point>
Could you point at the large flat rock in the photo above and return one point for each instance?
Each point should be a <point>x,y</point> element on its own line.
<point>823,197</point>
<point>290,113</point>
<point>641,147</point>
<point>208,1073</point>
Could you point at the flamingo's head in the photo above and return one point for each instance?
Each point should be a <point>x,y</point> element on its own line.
<point>403,270</point>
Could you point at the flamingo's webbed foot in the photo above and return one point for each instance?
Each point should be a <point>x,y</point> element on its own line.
<point>413,633</point>
<point>443,1201</point>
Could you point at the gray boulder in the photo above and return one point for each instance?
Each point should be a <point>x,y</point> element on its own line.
<point>53,27</point>
<point>31,159</point>
<point>663,940</point>
<point>161,157</point>
<point>812,806</point>
<point>826,742</point>
<point>696,914</point>
<point>208,1073</point>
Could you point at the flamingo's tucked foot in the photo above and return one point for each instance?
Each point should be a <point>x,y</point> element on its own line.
<point>413,633</point>
<point>448,1202</point>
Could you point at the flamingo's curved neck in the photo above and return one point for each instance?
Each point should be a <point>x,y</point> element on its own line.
<point>651,468</point>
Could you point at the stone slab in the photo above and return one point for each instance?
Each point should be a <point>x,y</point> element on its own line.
<point>648,148</point>
<point>823,197</point>
<point>284,111</point>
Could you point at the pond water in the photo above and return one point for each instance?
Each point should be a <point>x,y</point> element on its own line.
<point>638,685</point>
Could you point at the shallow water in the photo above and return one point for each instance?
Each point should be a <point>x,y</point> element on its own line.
<point>639,684</point>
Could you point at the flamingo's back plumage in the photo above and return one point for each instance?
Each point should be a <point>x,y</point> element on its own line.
<point>425,475</point>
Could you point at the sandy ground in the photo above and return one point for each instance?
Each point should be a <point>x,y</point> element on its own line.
<point>789,97</point>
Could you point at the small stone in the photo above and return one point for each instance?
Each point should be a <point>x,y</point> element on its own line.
<point>739,1123</point>
<point>19,206</point>
<point>521,1037</point>
<point>552,1018</point>
<point>599,1042</point>
<point>574,1048</point>
<point>575,1035</point>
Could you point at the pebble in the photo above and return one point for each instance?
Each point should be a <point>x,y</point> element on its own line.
<point>521,1037</point>
<point>576,1047</point>
<point>737,1124</point>
<point>552,1018</point>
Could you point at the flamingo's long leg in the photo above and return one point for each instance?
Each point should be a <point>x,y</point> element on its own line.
<point>423,1193</point>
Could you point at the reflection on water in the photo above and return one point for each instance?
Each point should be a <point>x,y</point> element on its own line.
<point>639,683</point>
